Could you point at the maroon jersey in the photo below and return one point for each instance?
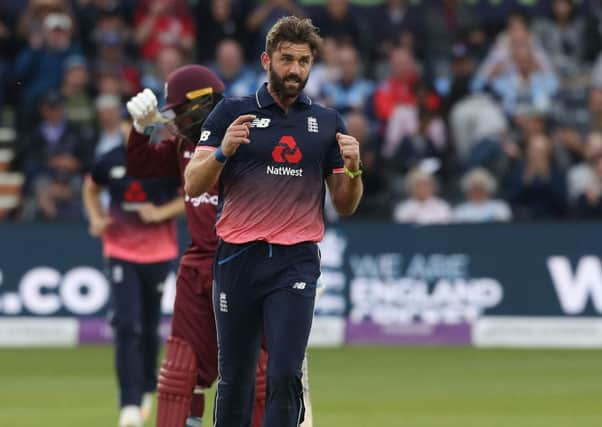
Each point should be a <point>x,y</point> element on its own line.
<point>169,158</point>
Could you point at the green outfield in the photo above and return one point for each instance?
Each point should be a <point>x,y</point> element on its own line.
<point>351,387</point>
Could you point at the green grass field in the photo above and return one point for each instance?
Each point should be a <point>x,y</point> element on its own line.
<point>351,387</point>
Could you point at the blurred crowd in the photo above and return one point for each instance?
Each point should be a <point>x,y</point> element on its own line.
<point>466,110</point>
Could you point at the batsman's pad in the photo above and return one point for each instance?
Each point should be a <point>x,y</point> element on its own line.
<point>261,385</point>
<point>177,379</point>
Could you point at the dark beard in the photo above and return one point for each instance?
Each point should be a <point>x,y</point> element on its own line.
<point>280,87</point>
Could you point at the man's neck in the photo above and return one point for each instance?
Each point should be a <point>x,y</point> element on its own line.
<point>282,103</point>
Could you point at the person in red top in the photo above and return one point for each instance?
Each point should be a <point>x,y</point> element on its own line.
<point>400,87</point>
<point>190,364</point>
<point>162,23</point>
<point>139,243</point>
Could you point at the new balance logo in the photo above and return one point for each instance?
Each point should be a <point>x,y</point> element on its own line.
<point>205,135</point>
<point>260,123</point>
<point>299,285</point>
<point>312,124</point>
<point>223,302</point>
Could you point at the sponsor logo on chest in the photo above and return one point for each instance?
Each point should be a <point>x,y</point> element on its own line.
<point>260,123</point>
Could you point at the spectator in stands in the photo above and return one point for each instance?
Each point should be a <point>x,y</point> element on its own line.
<point>111,44</point>
<point>500,61</point>
<point>456,85</point>
<point>31,22</point>
<point>230,67</point>
<point>574,122</point>
<point>76,92</point>
<point>594,122</point>
<point>593,30</point>
<point>478,128</point>
<point>216,21</point>
<point>54,143</point>
<point>41,67</point>
<point>420,145</point>
<point>8,50</point>
<point>53,157</point>
<point>397,92</point>
<point>109,81</point>
<point>589,203</point>
<point>110,124</point>
<point>443,24</point>
<point>338,21</point>
<point>528,86</point>
<point>162,23</point>
<point>399,88</point>
<point>56,197</point>
<point>393,23</point>
<point>110,29</point>
<point>399,100</point>
<point>375,201</point>
<point>350,91</point>
<point>478,186</point>
<point>263,17</point>
<point>581,175</point>
<point>422,207</point>
<point>536,187</point>
<point>561,36</point>
<point>325,70</point>
<point>168,60</point>
<point>107,16</point>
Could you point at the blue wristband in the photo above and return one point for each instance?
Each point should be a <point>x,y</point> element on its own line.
<point>220,156</point>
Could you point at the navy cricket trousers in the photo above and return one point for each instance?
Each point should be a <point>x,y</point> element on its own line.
<point>136,291</point>
<point>261,290</point>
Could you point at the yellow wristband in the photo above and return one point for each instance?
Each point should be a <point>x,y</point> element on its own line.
<point>352,174</point>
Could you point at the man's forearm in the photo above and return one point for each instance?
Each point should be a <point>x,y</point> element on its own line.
<point>346,195</point>
<point>91,199</point>
<point>173,209</point>
<point>201,174</point>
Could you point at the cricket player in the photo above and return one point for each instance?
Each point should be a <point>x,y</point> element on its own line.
<point>139,244</point>
<point>271,154</point>
<point>190,364</point>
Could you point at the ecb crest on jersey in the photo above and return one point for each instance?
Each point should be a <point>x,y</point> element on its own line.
<point>312,124</point>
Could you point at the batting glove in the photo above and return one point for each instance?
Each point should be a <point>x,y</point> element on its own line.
<point>143,109</point>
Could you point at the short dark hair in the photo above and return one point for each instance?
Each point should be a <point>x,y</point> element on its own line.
<point>293,30</point>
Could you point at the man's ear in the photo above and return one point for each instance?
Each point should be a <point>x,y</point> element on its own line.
<point>265,61</point>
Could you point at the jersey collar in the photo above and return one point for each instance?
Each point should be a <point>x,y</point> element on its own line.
<point>264,99</point>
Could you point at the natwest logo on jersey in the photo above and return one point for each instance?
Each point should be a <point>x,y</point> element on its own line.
<point>287,151</point>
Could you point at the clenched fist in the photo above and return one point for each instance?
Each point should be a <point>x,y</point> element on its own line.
<point>143,109</point>
<point>350,151</point>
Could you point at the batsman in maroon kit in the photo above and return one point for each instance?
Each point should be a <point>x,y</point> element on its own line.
<point>190,363</point>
